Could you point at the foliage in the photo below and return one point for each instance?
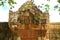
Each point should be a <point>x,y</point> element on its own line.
<point>58,1</point>
<point>29,5</point>
<point>2,3</point>
<point>11,2</point>
<point>47,7</point>
<point>56,7</point>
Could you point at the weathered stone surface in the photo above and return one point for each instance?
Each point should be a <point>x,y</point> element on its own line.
<point>5,32</point>
<point>27,18</point>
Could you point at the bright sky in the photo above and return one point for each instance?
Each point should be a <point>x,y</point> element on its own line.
<point>54,15</point>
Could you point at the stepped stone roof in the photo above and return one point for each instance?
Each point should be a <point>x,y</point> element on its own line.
<point>27,14</point>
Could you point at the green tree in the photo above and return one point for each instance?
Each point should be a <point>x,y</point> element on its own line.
<point>11,2</point>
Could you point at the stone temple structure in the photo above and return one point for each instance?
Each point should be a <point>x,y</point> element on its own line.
<point>29,22</point>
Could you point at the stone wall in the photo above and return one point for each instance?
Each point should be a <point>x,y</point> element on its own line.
<point>54,26</point>
<point>5,32</point>
<point>53,32</point>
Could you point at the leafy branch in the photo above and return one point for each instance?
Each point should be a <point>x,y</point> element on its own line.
<point>11,2</point>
